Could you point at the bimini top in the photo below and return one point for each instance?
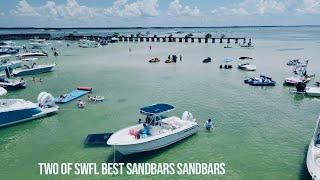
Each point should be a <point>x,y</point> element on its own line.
<point>156,109</point>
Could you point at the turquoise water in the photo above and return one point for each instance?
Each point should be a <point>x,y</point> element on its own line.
<point>259,131</point>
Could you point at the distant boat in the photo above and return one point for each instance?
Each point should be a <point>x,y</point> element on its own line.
<point>8,51</point>
<point>10,45</point>
<point>313,155</point>
<point>114,39</point>
<point>207,60</point>
<point>40,44</point>
<point>31,54</point>
<point>34,69</point>
<point>14,111</point>
<point>36,39</point>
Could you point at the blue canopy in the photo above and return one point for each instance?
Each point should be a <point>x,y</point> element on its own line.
<point>156,109</point>
<point>227,60</point>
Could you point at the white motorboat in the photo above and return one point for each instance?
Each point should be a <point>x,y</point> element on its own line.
<point>246,66</point>
<point>40,44</point>
<point>19,110</point>
<point>293,80</point>
<point>313,156</point>
<point>36,39</point>
<point>10,45</point>
<point>89,44</point>
<point>6,62</point>
<point>114,39</point>
<point>162,132</point>
<point>313,91</point>
<point>33,69</point>
<point>3,91</point>
<point>31,54</point>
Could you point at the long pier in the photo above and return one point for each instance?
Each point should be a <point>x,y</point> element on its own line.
<point>165,39</point>
<point>131,38</point>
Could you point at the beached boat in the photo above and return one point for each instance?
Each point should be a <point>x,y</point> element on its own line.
<point>34,69</point>
<point>19,110</point>
<point>162,132</point>
<point>3,91</point>
<point>10,45</point>
<point>313,155</point>
<point>5,62</point>
<point>293,62</point>
<point>12,84</point>
<point>206,60</point>
<point>32,54</point>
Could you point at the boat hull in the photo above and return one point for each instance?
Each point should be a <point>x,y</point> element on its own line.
<point>22,115</point>
<point>13,65</point>
<point>33,71</point>
<point>13,86</point>
<point>157,143</point>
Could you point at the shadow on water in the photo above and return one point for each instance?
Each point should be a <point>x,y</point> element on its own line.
<point>143,156</point>
<point>290,49</point>
<point>304,173</point>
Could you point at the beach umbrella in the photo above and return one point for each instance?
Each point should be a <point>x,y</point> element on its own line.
<point>227,60</point>
<point>244,57</point>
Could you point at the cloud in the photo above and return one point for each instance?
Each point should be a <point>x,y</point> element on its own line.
<point>253,7</point>
<point>72,10</point>
<point>176,9</point>
<point>124,9</point>
<point>310,7</point>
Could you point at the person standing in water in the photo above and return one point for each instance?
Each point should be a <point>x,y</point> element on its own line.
<point>150,47</point>
<point>208,125</point>
<point>180,58</point>
<point>129,49</point>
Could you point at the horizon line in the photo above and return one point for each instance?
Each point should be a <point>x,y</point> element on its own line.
<point>160,27</point>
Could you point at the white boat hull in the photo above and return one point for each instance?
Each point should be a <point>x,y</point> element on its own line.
<point>313,161</point>
<point>157,143</point>
<point>313,91</point>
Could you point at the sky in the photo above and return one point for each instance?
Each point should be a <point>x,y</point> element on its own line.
<point>157,13</point>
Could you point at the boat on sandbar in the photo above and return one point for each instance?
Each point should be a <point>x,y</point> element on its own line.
<point>14,111</point>
<point>260,81</point>
<point>40,44</point>
<point>294,80</point>
<point>33,69</point>
<point>8,51</point>
<point>160,132</point>
<point>246,66</point>
<point>313,155</point>
<point>6,62</point>
<point>32,54</point>
<point>10,45</point>
<point>12,84</point>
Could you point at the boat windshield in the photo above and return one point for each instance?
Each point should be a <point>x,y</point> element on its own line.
<point>317,135</point>
<point>153,120</point>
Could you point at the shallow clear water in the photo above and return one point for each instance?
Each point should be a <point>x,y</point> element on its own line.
<point>259,131</point>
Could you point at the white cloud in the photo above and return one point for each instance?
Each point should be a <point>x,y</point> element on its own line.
<point>253,7</point>
<point>310,7</point>
<point>72,10</point>
<point>176,9</point>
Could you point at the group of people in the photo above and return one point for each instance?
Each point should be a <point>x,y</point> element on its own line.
<point>34,79</point>
<point>265,79</point>
<point>94,98</point>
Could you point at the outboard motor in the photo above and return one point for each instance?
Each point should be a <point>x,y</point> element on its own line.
<point>301,87</point>
<point>8,71</point>
<point>46,100</point>
<point>187,116</point>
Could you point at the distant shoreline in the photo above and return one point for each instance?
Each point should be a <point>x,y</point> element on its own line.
<point>182,27</point>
